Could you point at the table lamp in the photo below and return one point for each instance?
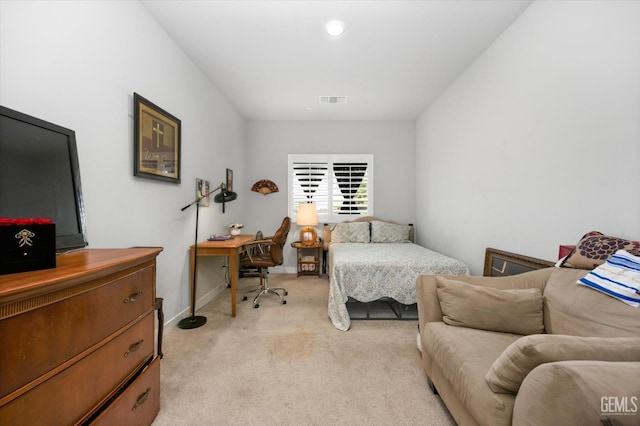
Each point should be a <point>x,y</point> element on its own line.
<point>307,218</point>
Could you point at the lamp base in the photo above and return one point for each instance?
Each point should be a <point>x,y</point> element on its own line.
<point>192,322</point>
<point>308,236</point>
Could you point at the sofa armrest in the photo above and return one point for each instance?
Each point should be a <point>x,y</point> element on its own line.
<point>579,393</point>
<point>427,296</point>
<point>520,358</point>
<point>531,279</point>
<point>427,299</point>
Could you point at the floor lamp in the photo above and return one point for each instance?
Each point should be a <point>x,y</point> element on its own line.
<point>195,321</point>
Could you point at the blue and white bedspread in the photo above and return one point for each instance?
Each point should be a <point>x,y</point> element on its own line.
<point>368,272</point>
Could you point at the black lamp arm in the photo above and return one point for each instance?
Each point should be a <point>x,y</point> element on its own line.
<point>198,199</point>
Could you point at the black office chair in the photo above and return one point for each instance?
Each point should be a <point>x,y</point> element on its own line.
<point>262,254</point>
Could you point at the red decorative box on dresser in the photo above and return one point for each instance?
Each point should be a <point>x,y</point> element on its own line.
<point>77,341</point>
<point>27,245</point>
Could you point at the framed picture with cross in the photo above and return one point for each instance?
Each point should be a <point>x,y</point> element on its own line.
<point>156,142</point>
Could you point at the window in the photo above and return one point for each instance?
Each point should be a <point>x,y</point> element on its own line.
<point>341,186</point>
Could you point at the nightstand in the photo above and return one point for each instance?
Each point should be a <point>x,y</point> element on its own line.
<point>309,258</point>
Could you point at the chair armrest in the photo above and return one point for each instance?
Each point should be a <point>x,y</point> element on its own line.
<point>260,245</point>
<point>265,242</point>
<point>427,296</point>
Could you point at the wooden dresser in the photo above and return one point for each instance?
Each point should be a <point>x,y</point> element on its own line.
<point>77,342</point>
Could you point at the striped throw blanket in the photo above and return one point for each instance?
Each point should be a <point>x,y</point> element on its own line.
<point>618,277</point>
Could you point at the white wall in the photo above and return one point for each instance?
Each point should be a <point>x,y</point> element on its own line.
<point>538,141</point>
<point>392,144</point>
<point>77,64</point>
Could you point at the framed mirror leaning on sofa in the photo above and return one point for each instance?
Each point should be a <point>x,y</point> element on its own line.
<point>499,263</point>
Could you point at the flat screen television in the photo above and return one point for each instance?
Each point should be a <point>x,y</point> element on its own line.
<point>40,176</point>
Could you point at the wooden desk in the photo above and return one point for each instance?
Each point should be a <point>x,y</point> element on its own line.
<point>230,248</point>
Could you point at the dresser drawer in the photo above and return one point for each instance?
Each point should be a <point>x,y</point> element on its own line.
<point>139,403</point>
<point>37,341</point>
<point>82,387</point>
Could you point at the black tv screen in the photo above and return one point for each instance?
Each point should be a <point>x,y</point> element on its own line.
<point>40,176</point>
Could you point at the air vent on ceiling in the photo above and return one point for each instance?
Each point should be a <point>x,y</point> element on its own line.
<point>333,99</point>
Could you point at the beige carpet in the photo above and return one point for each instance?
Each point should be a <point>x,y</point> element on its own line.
<point>287,365</point>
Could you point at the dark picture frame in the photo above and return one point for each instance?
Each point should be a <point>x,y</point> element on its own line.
<point>229,180</point>
<point>156,142</point>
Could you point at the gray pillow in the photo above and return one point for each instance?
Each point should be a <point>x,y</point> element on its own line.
<point>385,232</point>
<point>351,232</point>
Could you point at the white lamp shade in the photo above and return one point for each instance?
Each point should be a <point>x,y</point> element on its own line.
<point>307,215</point>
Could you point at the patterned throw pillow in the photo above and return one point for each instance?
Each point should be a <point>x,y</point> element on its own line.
<point>385,232</point>
<point>351,232</point>
<point>595,248</point>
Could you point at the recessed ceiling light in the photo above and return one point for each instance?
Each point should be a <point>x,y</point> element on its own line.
<point>334,28</point>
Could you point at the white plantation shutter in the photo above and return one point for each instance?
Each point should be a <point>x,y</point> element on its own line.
<point>340,185</point>
<point>309,184</point>
<point>350,188</point>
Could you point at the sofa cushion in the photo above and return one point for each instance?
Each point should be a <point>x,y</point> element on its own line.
<point>595,247</point>
<point>463,356</point>
<point>512,366</point>
<point>572,309</point>
<point>485,308</point>
<point>351,232</point>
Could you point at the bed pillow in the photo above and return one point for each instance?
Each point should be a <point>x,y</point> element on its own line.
<point>351,232</point>
<point>385,232</point>
<point>618,277</point>
<point>509,370</point>
<point>485,308</point>
<point>594,248</point>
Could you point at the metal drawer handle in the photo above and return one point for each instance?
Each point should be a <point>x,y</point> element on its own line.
<point>133,297</point>
<point>133,348</point>
<point>141,399</point>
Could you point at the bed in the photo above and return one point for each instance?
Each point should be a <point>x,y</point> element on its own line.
<point>371,259</point>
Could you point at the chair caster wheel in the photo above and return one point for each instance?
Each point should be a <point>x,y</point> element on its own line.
<point>244,298</point>
<point>256,306</point>
<point>284,302</point>
<point>286,293</point>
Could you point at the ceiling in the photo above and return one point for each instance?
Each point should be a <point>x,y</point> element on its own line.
<point>273,59</point>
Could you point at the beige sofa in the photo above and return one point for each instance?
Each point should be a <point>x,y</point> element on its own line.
<point>577,362</point>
